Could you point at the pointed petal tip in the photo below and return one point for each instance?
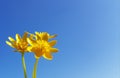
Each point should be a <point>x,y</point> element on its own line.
<point>11,39</point>
<point>53,42</point>
<point>54,50</point>
<point>9,43</point>
<point>53,36</point>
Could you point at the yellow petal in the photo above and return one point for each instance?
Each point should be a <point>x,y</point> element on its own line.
<point>54,50</point>
<point>11,39</point>
<point>38,36</point>
<point>10,44</point>
<point>52,43</point>
<point>44,36</point>
<point>37,33</point>
<point>32,36</point>
<point>29,48</point>
<point>37,51</point>
<point>31,41</point>
<point>48,56</point>
<point>18,38</point>
<point>38,54</point>
<point>52,36</point>
<point>25,36</point>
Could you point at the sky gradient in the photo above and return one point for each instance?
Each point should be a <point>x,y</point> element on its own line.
<point>88,37</point>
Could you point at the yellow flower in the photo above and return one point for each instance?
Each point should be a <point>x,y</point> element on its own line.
<point>20,44</point>
<point>44,36</point>
<point>41,46</point>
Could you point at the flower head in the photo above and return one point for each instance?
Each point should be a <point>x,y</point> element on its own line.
<point>41,46</point>
<point>20,44</point>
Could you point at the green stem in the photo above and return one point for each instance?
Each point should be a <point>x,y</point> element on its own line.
<point>35,69</point>
<point>24,66</point>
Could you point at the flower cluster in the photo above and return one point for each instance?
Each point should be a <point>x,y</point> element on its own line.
<point>39,43</point>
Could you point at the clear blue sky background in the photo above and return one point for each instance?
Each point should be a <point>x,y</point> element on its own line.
<point>88,37</point>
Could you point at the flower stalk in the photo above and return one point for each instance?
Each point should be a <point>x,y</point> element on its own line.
<point>24,66</point>
<point>35,69</point>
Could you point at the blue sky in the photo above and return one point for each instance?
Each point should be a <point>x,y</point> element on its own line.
<point>88,37</point>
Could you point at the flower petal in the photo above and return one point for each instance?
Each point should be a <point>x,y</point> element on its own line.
<point>31,41</point>
<point>18,38</point>
<point>52,43</point>
<point>25,36</point>
<point>48,56</point>
<point>37,51</point>
<point>29,48</point>
<point>44,36</point>
<point>11,39</point>
<point>38,36</point>
<point>52,36</point>
<point>9,43</point>
<point>54,50</point>
<point>37,33</point>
